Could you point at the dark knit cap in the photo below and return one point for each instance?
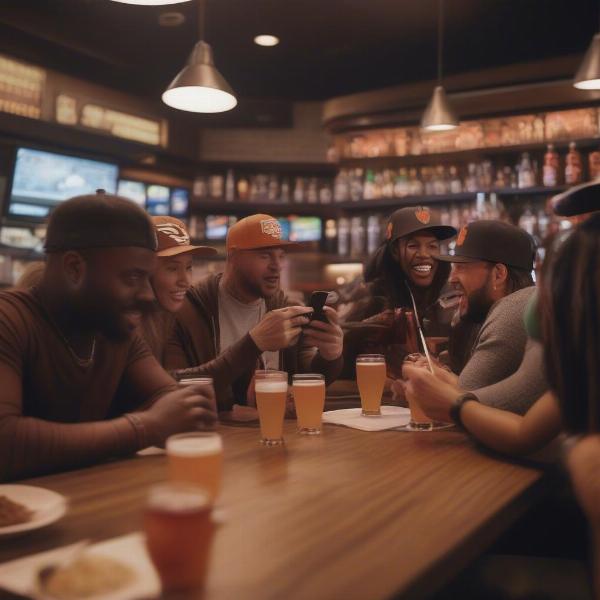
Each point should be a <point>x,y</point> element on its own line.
<point>99,221</point>
<point>578,200</point>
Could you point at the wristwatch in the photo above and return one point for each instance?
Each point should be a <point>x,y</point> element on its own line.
<point>457,407</point>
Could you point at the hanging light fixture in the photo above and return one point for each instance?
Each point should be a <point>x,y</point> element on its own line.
<point>151,2</point>
<point>438,115</point>
<point>199,87</point>
<point>588,74</point>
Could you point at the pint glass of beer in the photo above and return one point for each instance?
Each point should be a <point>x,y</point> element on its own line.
<point>370,377</point>
<point>309,398</point>
<point>271,392</point>
<point>205,381</point>
<point>196,458</point>
<point>179,531</point>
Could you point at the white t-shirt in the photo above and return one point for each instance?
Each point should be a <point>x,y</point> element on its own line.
<point>237,318</point>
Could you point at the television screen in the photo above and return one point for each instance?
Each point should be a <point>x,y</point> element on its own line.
<point>133,190</point>
<point>180,200</point>
<point>41,180</point>
<point>216,227</point>
<point>305,229</point>
<point>285,228</point>
<point>157,199</point>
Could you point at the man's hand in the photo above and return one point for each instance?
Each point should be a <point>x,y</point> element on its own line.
<point>189,408</point>
<point>328,338</point>
<point>434,395</point>
<point>280,328</point>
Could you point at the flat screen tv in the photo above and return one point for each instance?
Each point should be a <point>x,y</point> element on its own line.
<point>216,227</point>
<point>42,179</point>
<point>180,200</point>
<point>305,229</point>
<point>157,199</point>
<point>133,190</point>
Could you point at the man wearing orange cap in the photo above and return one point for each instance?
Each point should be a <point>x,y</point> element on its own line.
<point>238,321</point>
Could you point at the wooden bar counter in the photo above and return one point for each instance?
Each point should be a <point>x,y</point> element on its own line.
<point>347,514</point>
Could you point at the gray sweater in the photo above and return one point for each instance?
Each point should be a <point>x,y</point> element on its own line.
<point>506,369</point>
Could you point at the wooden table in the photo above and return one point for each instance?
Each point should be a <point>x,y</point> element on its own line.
<point>349,514</point>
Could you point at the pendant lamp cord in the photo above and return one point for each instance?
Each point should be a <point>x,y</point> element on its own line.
<point>201,18</point>
<point>440,38</point>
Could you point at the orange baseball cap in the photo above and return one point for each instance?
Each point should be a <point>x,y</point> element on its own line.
<point>173,239</point>
<point>255,232</point>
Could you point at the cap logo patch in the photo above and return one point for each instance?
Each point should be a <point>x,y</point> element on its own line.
<point>462,235</point>
<point>423,215</point>
<point>388,233</point>
<point>175,232</point>
<point>271,227</point>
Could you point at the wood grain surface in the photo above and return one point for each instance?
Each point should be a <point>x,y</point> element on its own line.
<point>348,514</point>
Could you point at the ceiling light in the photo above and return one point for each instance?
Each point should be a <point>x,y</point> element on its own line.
<point>266,40</point>
<point>151,2</point>
<point>438,115</point>
<point>199,87</point>
<point>588,74</point>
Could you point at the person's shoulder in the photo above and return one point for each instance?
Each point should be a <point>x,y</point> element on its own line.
<point>17,302</point>
<point>516,300</point>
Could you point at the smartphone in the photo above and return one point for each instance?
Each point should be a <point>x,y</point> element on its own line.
<point>317,302</point>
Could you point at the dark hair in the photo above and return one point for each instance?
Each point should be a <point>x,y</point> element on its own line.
<point>389,280</point>
<point>570,316</point>
<point>517,279</point>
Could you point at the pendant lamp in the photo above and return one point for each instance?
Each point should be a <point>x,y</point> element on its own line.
<point>439,115</point>
<point>199,87</point>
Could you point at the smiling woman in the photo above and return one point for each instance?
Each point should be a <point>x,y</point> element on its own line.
<point>403,265</point>
<point>171,279</point>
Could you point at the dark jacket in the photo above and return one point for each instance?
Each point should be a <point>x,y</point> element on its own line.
<point>193,349</point>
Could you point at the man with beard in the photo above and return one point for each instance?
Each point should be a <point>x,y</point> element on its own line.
<point>492,268</point>
<point>239,321</point>
<point>78,385</point>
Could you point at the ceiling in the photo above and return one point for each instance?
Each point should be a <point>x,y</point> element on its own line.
<point>328,47</point>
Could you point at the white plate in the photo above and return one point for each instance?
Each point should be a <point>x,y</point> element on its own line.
<point>47,507</point>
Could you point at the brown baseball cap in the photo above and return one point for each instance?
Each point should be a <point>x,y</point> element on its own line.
<point>255,232</point>
<point>493,241</point>
<point>412,219</point>
<point>174,239</point>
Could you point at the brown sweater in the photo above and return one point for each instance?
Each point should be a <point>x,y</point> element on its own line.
<point>193,349</point>
<point>56,412</point>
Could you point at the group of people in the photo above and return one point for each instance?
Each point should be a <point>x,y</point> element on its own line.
<point>91,350</point>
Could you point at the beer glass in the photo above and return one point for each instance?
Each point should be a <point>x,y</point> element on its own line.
<point>196,458</point>
<point>179,531</point>
<point>207,381</point>
<point>309,398</point>
<point>370,377</point>
<point>271,393</point>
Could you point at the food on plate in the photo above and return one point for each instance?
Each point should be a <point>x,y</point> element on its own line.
<point>88,576</point>
<point>13,513</point>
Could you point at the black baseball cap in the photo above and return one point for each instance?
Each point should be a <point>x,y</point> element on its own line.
<point>493,241</point>
<point>99,220</point>
<point>409,220</point>
<point>577,200</point>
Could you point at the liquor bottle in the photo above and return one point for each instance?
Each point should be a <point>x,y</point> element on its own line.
<point>312,193</point>
<point>369,187</point>
<point>373,233</point>
<point>526,173</point>
<point>527,221</point>
<point>357,237</point>
<point>471,178</point>
<point>325,193</point>
<point>388,184</point>
<point>573,166</point>
<point>356,185</point>
<point>455,182</point>
<point>401,186</point>
<point>229,186</point>
<point>594,161</point>
<point>243,188</point>
<point>343,236</point>
<point>415,184</point>
<point>285,191</point>
<point>273,189</point>
<point>551,166</point>
<point>331,236</point>
<point>341,188</point>
<point>299,190</point>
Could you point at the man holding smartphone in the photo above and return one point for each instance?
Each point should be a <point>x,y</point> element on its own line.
<point>240,320</point>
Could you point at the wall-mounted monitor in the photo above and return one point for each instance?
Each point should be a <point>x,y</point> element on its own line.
<point>42,179</point>
<point>305,229</point>
<point>180,201</point>
<point>133,190</point>
<point>216,227</point>
<point>157,199</point>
